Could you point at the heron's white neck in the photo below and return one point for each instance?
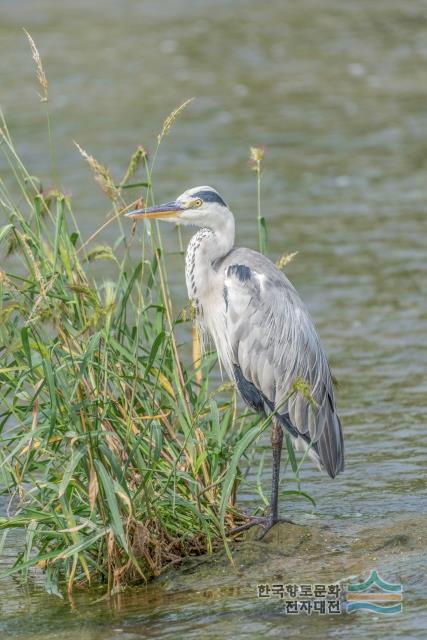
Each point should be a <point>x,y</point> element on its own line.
<point>204,253</point>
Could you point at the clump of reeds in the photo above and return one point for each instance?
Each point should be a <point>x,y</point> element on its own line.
<point>114,455</point>
<point>114,458</point>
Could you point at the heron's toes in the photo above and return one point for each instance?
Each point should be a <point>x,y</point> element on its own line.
<point>265,522</point>
<point>270,523</point>
<point>267,525</point>
<point>253,522</point>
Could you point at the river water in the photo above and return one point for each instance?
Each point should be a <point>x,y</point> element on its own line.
<point>337,93</point>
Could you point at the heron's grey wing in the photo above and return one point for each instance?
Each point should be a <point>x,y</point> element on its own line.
<point>274,343</point>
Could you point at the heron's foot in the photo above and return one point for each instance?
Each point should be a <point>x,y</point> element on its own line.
<point>265,522</point>
<point>269,524</point>
<point>253,522</point>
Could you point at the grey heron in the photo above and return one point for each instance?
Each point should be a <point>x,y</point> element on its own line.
<point>263,333</point>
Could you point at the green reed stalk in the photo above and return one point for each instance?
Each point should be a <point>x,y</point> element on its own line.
<point>256,158</point>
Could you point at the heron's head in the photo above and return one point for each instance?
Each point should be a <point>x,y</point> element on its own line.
<point>200,206</point>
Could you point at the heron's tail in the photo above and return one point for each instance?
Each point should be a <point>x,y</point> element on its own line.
<point>327,452</point>
<point>331,447</point>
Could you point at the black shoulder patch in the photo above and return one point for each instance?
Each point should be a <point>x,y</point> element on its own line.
<point>209,196</point>
<point>241,271</point>
<point>255,399</point>
<point>250,394</point>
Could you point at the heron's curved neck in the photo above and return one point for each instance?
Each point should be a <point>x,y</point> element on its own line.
<point>205,251</point>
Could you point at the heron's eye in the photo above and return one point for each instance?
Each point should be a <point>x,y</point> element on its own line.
<point>197,203</point>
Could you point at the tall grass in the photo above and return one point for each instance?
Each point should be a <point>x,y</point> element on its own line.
<point>113,456</point>
<point>116,458</point>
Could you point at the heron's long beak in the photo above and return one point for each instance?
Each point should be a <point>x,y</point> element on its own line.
<point>167,210</point>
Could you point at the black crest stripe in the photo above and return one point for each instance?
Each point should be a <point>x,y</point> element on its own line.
<point>209,196</point>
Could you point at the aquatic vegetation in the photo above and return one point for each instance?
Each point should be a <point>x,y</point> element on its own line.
<point>113,456</point>
<point>117,458</point>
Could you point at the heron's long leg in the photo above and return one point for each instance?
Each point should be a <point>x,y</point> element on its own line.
<point>268,522</point>
<point>276,444</point>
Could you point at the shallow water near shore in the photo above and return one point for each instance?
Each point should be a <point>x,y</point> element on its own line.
<point>207,597</point>
<point>337,92</point>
